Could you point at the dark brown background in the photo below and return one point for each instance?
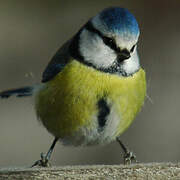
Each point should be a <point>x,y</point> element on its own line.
<point>32,31</point>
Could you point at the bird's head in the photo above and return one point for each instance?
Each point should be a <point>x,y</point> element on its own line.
<point>108,42</point>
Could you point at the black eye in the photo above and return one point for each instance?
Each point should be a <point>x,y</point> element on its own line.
<point>109,42</point>
<point>132,49</point>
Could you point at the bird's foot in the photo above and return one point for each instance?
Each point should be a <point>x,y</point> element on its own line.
<point>43,162</point>
<point>129,157</point>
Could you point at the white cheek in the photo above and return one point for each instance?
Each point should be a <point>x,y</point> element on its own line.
<point>95,51</point>
<point>131,65</point>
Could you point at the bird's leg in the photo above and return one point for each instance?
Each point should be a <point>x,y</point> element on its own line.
<point>44,161</point>
<point>128,155</point>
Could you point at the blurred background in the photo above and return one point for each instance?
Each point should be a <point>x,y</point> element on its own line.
<point>30,34</point>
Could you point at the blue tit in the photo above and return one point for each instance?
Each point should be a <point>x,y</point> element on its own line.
<point>94,86</point>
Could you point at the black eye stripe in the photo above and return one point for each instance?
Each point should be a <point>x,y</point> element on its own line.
<point>132,49</point>
<point>107,40</point>
<point>110,42</point>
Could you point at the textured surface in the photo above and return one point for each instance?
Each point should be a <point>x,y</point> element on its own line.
<point>140,171</point>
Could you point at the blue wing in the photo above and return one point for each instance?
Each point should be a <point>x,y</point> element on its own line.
<point>58,62</point>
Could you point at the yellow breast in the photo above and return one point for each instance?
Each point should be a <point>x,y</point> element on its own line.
<point>68,102</point>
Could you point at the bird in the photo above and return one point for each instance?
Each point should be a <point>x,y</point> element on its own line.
<point>93,87</point>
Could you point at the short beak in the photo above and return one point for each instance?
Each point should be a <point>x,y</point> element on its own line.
<point>123,55</point>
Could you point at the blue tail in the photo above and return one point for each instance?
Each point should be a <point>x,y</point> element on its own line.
<point>20,92</point>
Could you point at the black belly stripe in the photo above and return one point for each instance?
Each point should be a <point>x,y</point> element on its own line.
<point>104,110</point>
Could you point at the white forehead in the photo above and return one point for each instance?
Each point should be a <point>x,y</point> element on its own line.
<point>125,42</point>
<point>124,39</point>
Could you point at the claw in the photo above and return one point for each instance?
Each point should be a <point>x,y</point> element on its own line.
<point>43,162</point>
<point>129,157</point>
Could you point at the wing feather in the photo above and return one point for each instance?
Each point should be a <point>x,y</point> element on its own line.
<point>58,62</point>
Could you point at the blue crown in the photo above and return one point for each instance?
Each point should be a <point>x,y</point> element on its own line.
<point>119,20</point>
